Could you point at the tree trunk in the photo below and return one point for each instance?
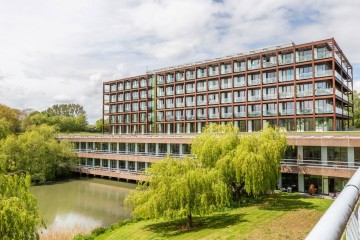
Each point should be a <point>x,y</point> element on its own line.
<point>190,221</point>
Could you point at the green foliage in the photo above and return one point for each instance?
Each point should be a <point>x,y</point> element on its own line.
<point>67,110</point>
<point>37,152</point>
<point>178,188</point>
<point>215,142</point>
<point>99,125</point>
<point>356,98</point>
<point>19,214</point>
<point>11,116</point>
<point>4,128</point>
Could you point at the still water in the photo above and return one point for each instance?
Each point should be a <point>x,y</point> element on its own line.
<point>83,203</point>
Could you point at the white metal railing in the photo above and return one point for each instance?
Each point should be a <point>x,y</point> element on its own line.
<point>286,94</point>
<point>301,76</point>
<point>333,223</point>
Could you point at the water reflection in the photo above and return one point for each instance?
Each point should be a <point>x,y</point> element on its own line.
<point>85,203</point>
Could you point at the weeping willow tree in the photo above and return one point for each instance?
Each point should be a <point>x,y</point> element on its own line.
<point>179,188</point>
<point>19,215</point>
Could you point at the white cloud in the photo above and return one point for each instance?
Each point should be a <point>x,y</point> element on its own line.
<point>55,51</point>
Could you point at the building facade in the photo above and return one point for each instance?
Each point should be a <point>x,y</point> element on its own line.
<point>306,87</point>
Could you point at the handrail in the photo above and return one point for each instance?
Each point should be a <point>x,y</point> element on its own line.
<point>333,223</point>
<point>148,154</point>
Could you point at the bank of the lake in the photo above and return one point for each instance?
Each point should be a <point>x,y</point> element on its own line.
<point>278,216</point>
<point>82,204</point>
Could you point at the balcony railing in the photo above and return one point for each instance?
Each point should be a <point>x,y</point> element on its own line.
<point>161,94</point>
<point>143,96</point>
<point>179,91</point>
<point>160,81</point>
<point>301,76</point>
<point>286,78</point>
<point>254,82</point>
<point>304,111</point>
<point>213,101</point>
<point>269,113</point>
<point>169,93</point>
<point>269,80</point>
<point>269,96</point>
<point>327,109</point>
<point>201,102</point>
<point>240,99</point>
<point>253,66</point>
<point>239,68</point>
<point>213,87</point>
<point>254,113</point>
<point>226,70</point>
<point>285,112</point>
<point>169,79</point>
<point>179,117</point>
<point>286,94</point>
<point>190,76</point>
<point>254,98</point>
<point>201,74</point>
<point>201,88</point>
<point>214,116</point>
<point>190,90</point>
<point>322,55</point>
<point>241,83</point>
<point>325,73</point>
<point>170,118</point>
<point>239,114</point>
<point>160,118</point>
<point>213,73</point>
<point>286,61</point>
<point>304,58</point>
<point>226,86</point>
<point>226,100</point>
<point>180,104</point>
<point>160,106</point>
<point>190,117</point>
<point>201,116</point>
<point>190,103</point>
<point>226,115</point>
<point>305,93</point>
<point>323,91</point>
<point>180,77</point>
<point>268,64</point>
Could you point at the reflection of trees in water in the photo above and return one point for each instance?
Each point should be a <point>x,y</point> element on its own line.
<point>95,198</point>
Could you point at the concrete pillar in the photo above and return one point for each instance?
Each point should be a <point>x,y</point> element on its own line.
<point>301,182</point>
<point>156,149</point>
<point>180,149</point>
<point>127,165</point>
<point>117,164</point>
<point>325,182</point>
<point>117,147</point>
<point>136,148</point>
<point>324,156</point>
<point>109,164</point>
<point>351,156</point>
<point>93,162</point>
<point>146,148</point>
<point>136,166</point>
<point>300,152</point>
<point>86,146</point>
<point>94,145</point>
<point>109,147</point>
<point>127,147</point>
<point>168,148</point>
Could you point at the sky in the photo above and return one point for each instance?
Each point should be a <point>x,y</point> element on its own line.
<point>61,51</point>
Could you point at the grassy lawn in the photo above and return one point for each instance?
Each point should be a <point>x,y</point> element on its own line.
<point>278,216</point>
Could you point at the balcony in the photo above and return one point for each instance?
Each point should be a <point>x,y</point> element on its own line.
<point>135,85</point>
<point>179,91</point>
<point>180,104</point>
<point>180,77</point>
<point>269,113</point>
<point>304,58</point>
<point>253,66</point>
<point>240,83</point>
<point>268,64</point>
<point>269,80</point>
<point>143,96</point>
<point>127,109</point>
<point>254,98</point>
<point>169,93</point>
<point>226,115</point>
<point>127,120</point>
<point>190,103</point>
<point>254,82</point>
<point>179,117</point>
<point>113,89</point>
<point>286,95</point>
<point>326,73</point>
<point>201,88</point>
<point>226,100</point>
<point>286,112</point>
<point>160,106</point>
<point>239,68</point>
<point>302,76</point>
<point>323,91</point>
<point>190,117</point>
<point>214,116</point>
<point>240,99</point>
<point>226,70</point>
<point>322,55</point>
<point>340,111</point>
<point>169,79</point>
<point>161,94</point>
<point>269,96</point>
<point>225,86</point>
<point>190,89</point>
<point>143,119</point>
<point>304,111</point>
<point>286,78</point>
<point>324,110</point>
<point>338,93</point>
<point>286,61</point>
<point>306,93</point>
<point>190,76</point>
<point>213,101</point>
<point>142,107</point>
<point>254,113</point>
<point>201,116</point>
<point>201,74</point>
<point>170,118</point>
<point>160,118</point>
<point>213,72</point>
<point>338,76</point>
<point>143,84</point>
<point>160,81</point>
<point>201,102</point>
<point>239,114</point>
<point>213,87</point>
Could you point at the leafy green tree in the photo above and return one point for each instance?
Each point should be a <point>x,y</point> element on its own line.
<point>179,188</point>
<point>356,98</point>
<point>11,116</point>
<point>19,214</point>
<point>37,152</point>
<point>67,110</point>
<point>4,128</point>
<point>99,125</point>
<point>215,141</point>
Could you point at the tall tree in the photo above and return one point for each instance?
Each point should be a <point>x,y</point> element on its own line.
<point>4,128</point>
<point>356,97</point>
<point>37,152</point>
<point>11,116</point>
<point>19,214</point>
<point>68,110</point>
<point>179,188</point>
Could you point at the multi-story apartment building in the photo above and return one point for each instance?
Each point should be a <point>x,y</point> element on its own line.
<point>306,87</point>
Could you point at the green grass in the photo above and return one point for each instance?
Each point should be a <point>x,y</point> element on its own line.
<point>277,216</point>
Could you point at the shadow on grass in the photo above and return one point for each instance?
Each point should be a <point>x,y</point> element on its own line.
<point>178,227</point>
<point>285,202</point>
